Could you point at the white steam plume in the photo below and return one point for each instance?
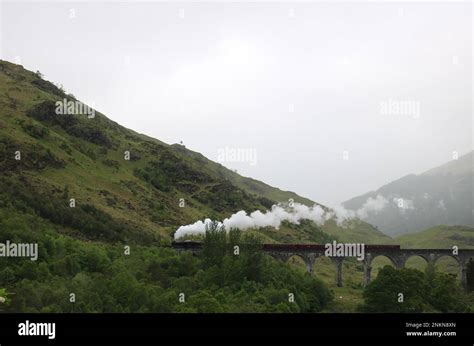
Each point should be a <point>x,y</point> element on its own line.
<point>257,219</point>
<point>371,205</point>
<point>279,213</point>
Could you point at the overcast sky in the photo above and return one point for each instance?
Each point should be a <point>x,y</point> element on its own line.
<point>311,88</point>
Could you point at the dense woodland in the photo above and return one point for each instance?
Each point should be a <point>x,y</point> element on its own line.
<point>106,278</point>
<point>115,278</point>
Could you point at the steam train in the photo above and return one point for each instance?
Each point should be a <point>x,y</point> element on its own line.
<point>310,247</point>
<point>192,245</point>
<point>186,245</point>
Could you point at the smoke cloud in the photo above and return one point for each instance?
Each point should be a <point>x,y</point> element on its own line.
<point>293,214</point>
<point>273,218</point>
<point>371,205</point>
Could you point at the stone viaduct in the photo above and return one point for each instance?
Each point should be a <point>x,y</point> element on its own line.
<point>310,252</point>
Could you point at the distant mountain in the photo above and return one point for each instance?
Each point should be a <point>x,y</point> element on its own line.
<point>439,196</point>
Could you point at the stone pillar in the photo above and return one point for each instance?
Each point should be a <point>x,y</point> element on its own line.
<point>309,266</point>
<point>463,274</point>
<point>399,262</point>
<point>367,273</point>
<point>339,271</point>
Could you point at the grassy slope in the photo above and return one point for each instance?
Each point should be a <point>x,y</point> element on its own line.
<point>249,184</point>
<point>439,237</point>
<point>116,189</point>
<point>357,231</point>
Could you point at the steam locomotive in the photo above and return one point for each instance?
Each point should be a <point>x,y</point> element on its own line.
<point>190,245</point>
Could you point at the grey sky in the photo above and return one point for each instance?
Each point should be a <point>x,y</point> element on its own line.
<point>300,83</point>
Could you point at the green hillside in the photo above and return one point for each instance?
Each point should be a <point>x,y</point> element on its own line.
<point>74,156</point>
<point>438,237</point>
<point>84,189</point>
<point>356,231</point>
<point>441,237</point>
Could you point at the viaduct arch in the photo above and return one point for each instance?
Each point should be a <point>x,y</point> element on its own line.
<point>310,252</point>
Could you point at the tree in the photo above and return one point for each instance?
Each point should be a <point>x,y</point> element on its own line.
<point>430,291</point>
<point>214,245</point>
<point>395,290</point>
<point>446,295</point>
<point>252,257</point>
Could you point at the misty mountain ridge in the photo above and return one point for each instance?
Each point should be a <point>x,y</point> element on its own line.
<point>440,196</point>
